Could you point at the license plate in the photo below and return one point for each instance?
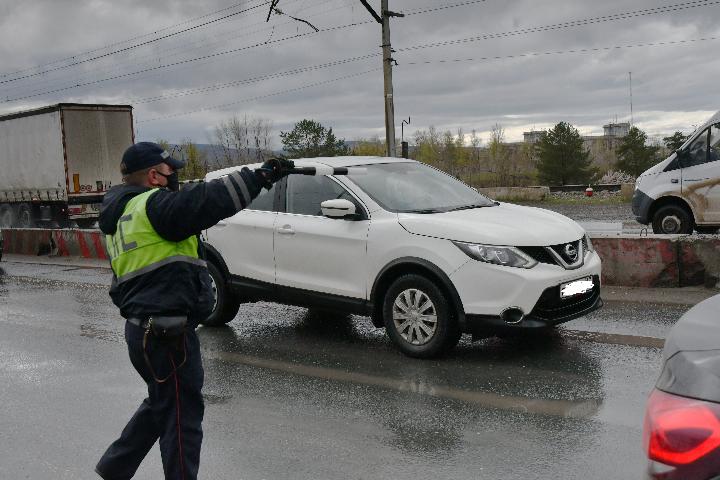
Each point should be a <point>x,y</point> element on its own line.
<point>576,287</point>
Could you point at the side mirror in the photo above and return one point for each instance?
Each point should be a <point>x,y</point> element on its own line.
<point>339,208</point>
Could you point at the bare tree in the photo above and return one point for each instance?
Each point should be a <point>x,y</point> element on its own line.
<point>242,141</point>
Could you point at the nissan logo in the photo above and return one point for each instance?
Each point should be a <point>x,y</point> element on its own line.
<point>571,252</point>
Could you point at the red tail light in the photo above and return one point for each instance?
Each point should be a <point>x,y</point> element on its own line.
<point>680,430</point>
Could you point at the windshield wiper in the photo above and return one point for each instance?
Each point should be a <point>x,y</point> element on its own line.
<point>467,207</point>
<point>427,210</point>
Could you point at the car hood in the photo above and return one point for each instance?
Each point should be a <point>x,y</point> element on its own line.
<point>505,224</point>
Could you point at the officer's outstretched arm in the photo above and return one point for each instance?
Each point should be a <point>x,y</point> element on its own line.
<point>176,216</point>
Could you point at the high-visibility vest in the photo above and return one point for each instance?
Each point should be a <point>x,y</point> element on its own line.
<point>135,248</point>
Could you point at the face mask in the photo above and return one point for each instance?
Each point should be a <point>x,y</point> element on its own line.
<point>173,182</point>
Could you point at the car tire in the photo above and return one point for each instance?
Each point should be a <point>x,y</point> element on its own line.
<point>226,304</point>
<point>7,216</point>
<point>707,230</point>
<point>431,328</point>
<point>672,219</point>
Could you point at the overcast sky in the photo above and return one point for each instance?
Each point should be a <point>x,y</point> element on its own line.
<point>674,85</point>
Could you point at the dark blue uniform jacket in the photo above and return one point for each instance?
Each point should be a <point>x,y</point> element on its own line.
<point>177,288</point>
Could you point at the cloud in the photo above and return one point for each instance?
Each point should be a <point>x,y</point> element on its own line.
<point>673,85</point>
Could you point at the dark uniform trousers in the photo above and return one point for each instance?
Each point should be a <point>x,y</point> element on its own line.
<point>173,411</point>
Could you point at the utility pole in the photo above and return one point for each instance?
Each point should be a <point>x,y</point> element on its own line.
<point>388,61</point>
<point>631,105</point>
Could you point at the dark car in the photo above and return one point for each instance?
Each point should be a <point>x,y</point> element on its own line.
<point>682,421</point>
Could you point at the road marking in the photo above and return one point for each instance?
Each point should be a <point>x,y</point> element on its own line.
<point>559,408</point>
<point>615,338</point>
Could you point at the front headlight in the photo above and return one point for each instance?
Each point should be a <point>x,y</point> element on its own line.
<point>505,256</point>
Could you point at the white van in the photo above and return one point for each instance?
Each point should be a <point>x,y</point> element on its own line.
<point>682,193</point>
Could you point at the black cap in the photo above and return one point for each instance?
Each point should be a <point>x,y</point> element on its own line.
<point>145,155</point>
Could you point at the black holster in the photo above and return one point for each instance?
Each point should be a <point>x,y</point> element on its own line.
<point>168,326</point>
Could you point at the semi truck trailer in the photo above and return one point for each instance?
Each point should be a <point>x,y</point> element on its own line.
<point>57,162</point>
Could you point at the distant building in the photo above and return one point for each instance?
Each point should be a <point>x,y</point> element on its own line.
<point>616,129</point>
<point>533,136</point>
<point>602,147</point>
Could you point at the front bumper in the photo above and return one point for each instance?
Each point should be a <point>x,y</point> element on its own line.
<point>548,312</point>
<point>641,204</point>
<point>487,290</point>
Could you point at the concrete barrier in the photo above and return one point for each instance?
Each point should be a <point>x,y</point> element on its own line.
<point>61,243</point>
<point>627,260</point>
<point>530,194</point>
<point>659,260</point>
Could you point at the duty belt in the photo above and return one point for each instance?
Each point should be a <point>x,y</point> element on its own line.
<point>138,322</point>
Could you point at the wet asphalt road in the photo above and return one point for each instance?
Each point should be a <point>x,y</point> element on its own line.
<point>295,395</point>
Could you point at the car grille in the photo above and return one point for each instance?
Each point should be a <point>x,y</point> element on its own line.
<point>551,308</point>
<point>558,255</point>
<point>540,254</point>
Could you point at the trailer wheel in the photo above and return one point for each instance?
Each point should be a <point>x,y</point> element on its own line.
<point>7,216</point>
<point>25,217</point>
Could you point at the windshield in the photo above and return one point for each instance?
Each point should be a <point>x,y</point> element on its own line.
<point>416,188</point>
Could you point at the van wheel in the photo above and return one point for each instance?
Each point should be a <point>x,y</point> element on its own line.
<point>672,219</point>
<point>418,318</point>
<point>226,304</point>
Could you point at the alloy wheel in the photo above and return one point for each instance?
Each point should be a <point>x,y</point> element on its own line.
<point>414,316</point>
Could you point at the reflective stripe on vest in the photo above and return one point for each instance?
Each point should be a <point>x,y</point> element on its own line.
<point>135,248</point>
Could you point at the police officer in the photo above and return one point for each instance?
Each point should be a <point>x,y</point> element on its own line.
<point>162,287</point>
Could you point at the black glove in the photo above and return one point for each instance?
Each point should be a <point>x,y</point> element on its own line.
<point>274,170</point>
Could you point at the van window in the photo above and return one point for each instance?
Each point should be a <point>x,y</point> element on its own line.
<point>714,152</point>
<point>696,152</point>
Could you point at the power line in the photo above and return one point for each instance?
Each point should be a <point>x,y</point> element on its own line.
<point>569,24</point>
<point>564,52</point>
<point>260,97</point>
<point>412,12</point>
<point>272,76</point>
<point>443,7</point>
<point>73,57</point>
<point>183,62</point>
<point>138,61</point>
<point>131,47</point>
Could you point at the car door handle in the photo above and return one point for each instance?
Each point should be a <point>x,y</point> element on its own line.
<point>674,180</point>
<point>286,230</point>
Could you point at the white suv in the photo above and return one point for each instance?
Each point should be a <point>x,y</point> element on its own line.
<point>424,255</point>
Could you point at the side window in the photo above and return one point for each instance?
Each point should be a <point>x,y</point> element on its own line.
<point>306,193</point>
<point>264,201</point>
<point>714,152</point>
<point>696,152</point>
